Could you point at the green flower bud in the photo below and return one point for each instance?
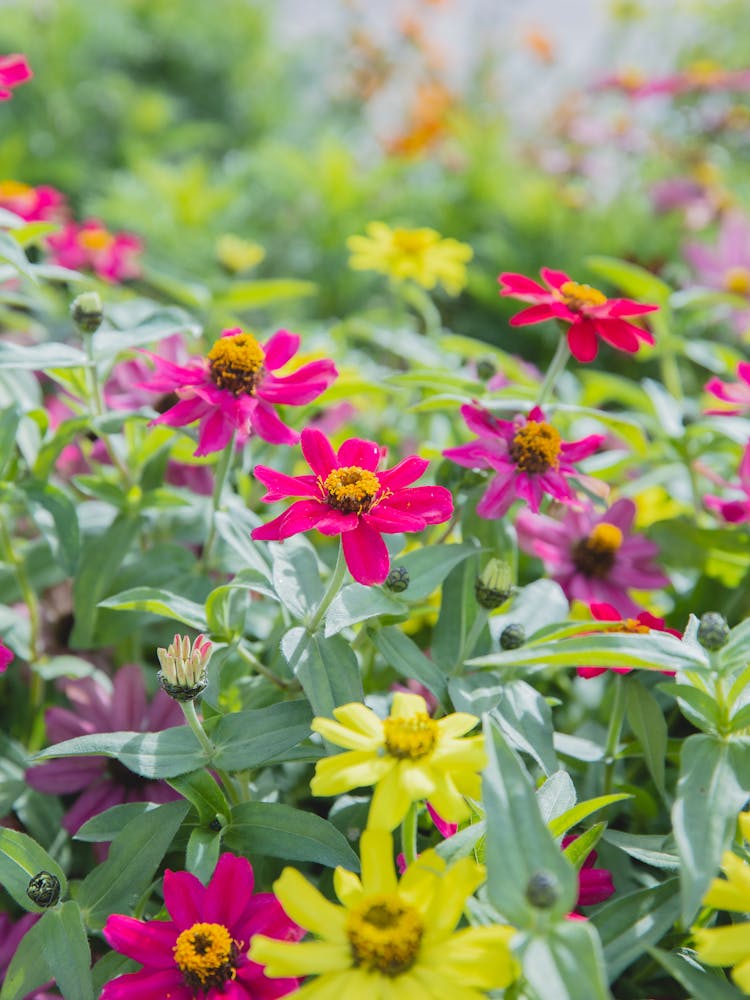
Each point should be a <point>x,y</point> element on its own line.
<point>493,586</point>
<point>87,311</point>
<point>44,889</point>
<point>183,667</point>
<point>398,579</point>
<point>713,631</point>
<point>486,368</point>
<point>512,636</point>
<point>543,890</point>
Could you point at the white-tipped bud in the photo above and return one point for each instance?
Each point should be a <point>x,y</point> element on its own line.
<point>183,667</point>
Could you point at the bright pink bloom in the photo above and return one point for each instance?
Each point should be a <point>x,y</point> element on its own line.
<point>233,389</point>
<point>528,456</point>
<point>6,656</point>
<point>101,782</point>
<point>593,557</point>
<point>347,496</point>
<point>594,884</point>
<point>590,313</point>
<point>222,916</point>
<point>643,622</point>
<point>699,77</point>
<point>736,393</point>
<point>34,204</point>
<point>726,266</point>
<point>735,511</point>
<point>90,246</point>
<point>13,70</point>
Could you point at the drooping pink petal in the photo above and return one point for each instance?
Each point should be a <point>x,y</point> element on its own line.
<point>229,893</point>
<point>518,285</point>
<point>403,474</point>
<point>187,411</point>
<point>148,984</point>
<point>582,341</point>
<point>148,942</point>
<point>366,555</point>
<point>301,386</point>
<point>93,801</point>
<point>129,698</point>
<point>432,503</point>
<point>555,279</point>
<point>268,425</point>
<point>62,777</point>
<point>215,433</point>
<point>280,486</point>
<point>534,314</point>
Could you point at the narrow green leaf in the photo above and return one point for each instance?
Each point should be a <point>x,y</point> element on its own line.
<point>327,669</point>
<point>458,611</point>
<point>405,656</point>
<point>159,602</point>
<point>572,817</point>
<point>696,705</point>
<point>28,969</point>
<point>12,252</point>
<point>202,852</point>
<point>631,279</point>
<point>21,858</point>
<point>428,567</point>
<point>165,754</point>
<point>581,846</point>
<point>526,720</point>
<point>296,576</point>
<point>647,722</point>
<point>66,953</point>
<point>630,924</point>
<point>203,793</point>
<point>566,964</point>
<point>40,357</point>
<point>355,603</point>
<point>255,294</point>
<point>248,739</point>
<point>648,848</point>
<point>10,418</point>
<point>65,518</point>
<point>106,825</point>
<point>702,984</point>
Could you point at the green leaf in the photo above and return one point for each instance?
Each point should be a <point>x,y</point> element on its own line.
<point>255,294</point>
<point>572,817</point>
<point>327,669</point>
<point>702,984</point>
<point>65,517</point>
<point>647,722</point>
<point>556,796</point>
<point>65,950</point>
<point>355,603</point>
<point>631,279</point>
<point>647,848</point>
<point>458,612</point>
<point>105,826</point>
<point>712,788</point>
<point>296,576</point>
<point>40,357</point>
<point>696,705</point>
<point>21,858</point>
<point>429,566</point>
<point>248,739</point>
<point>203,849</point>
<point>630,924</point>
<point>134,856</point>
<point>581,846</point>
<point>401,653</point>
<point>526,721</point>
<point>203,792</point>
<point>10,418</point>
<point>291,834</point>
<point>159,602</point>
<point>518,842</point>
<point>162,322</point>
<point>566,964</point>
<point>12,252</point>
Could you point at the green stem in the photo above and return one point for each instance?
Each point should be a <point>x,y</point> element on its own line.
<point>191,717</point>
<point>668,349</point>
<point>222,471</point>
<point>258,667</point>
<point>467,647</point>
<point>409,834</point>
<point>96,404</point>
<point>415,296</point>
<point>556,366</point>
<point>32,603</point>
<point>616,718</point>
<point>334,585</point>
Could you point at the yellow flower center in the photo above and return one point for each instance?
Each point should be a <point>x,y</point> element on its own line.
<point>385,934</point>
<point>14,189</point>
<point>631,78</point>
<point>631,625</point>
<point>236,363</point>
<point>351,489</point>
<point>410,737</point>
<point>579,297</point>
<point>737,280</point>
<point>95,239</point>
<point>704,71</point>
<point>412,241</point>
<point>595,554</point>
<point>536,447</point>
<point>206,956</point>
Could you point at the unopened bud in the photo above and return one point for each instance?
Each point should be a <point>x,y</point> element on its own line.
<point>183,667</point>
<point>87,311</point>
<point>513,636</point>
<point>543,890</point>
<point>44,889</point>
<point>493,586</point>
<point>713,631</point>
<point>398,579</point>
<point>486,368</point>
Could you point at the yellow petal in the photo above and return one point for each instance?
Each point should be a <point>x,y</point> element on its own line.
<point>348,887</point>
<point>288,958</point>
<point>723,945</point>
<point>420,882</point>
<point>390,803</point>
<point>308,907</point>
<point>436,986</point>
<point>456,724</point>
<point>415,778</point>
<point>359,717</point>
<point>465,754</point>
<point>341,772</point>
<point>477,956</point>
<point>448,801</point>
<point>732,893</point>
<point>343,736</point>
<point>376,852</point>
<point>458,883</point>
<point>744,822</point>
<point>741,975</point>
<point>405,705</point>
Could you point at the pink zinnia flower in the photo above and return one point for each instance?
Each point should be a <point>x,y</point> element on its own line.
<point>233,389</point>
<point>735,511</point>
<point>34,204</point>
<point>590,313</point>
<point>347,496</point>
<point>90,246</point>
<point>103,782</point>
<point>700,76</point>
<point>6,656</point>
<point>726,266</point>
<point>643,622</point>
<point>593,557</point>
<point>14,70</point>
<point>736,393</point>
<point>202,950</point>
<point>527,454</point>
<point>594,884</point>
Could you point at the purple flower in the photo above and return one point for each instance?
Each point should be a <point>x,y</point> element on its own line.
<point>99,782</point>
<point>726,266</point>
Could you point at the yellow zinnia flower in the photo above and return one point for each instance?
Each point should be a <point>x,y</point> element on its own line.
<point>421,255</point>
<point>729,945</point>
<point>408,756</point>
<point>390,940</point>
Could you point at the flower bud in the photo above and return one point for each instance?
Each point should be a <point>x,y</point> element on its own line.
<point>493,586</point>
<point>713,631</point>
<point>87,311</point>
<point>512,636</point>
<point>183,667</point>
<point>398,579</point>
<point>543,890</point>
<point>486,368</point>
<point>44,889</point>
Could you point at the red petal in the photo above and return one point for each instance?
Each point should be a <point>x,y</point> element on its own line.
<point>582,341</point>
<point>366,555</point>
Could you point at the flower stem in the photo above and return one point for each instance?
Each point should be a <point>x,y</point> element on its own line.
<point>222,471</point>
<point>258,667</point>
<point>334,585</point>
<point>554,370</point>
<point>96,404</point>
<point>409,834</point>
<point>415,296</point>
<point>191,717</point>
<point>616,718</point>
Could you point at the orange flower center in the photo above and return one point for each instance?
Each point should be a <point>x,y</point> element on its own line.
<point>206,955</point>
<point>580,297</point>
<point>351,489</point>
<point>595,554</point>
<point>95,239</point>
<point>385,933</point>
<point>410,737</point>
<point>631,79</point>
<point>536,447</point>
<point>630,625</point>
<point>236,363</point>
<point>737,280</point>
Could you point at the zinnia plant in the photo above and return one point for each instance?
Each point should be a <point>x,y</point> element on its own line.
<point>419,255</point>
<point>14,70</point>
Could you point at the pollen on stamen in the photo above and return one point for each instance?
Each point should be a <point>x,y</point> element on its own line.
<point>410,737</point>
<point>579,297</point>
<point>236,363</point>
<point>536,447</point>
<point>595,554</point>
<point>385,933</point>
<point>351,489</point>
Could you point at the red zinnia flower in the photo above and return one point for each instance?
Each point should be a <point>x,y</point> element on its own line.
<point>643,622</point>
<point>527,454</point>
<point>594,884</point>
<point>202,950</point>
<point>13,70</point>
<point>347,496</point>
<point>590,313</point>
<point>233,389</point>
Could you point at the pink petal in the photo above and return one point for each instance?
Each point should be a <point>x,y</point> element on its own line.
<point>432,503</point>
<point>183,898</point>
<point>267,425</point>
<point>299,387</point>
<point>14,69</point>
<point>62,724</point>
<point>534,314</point>
<point>280,486</point>
<point>228,894</point>
<point>318,452</point>
<point>148,985</point>
<point>148,942</point>
<point>626,307</point>
<point>129,698</point>
<point>498,497</point>
<point>582,341</point>
<point>96,800</point>
<point>621,514</point>
<point>555,279</point>
<point>574,451</point>
<point>215,433</point>
<point>301,516</point>
<point>366,555</point>
<point>618,334</point>
<point>356,451</point>
<point>267,917</point>
<point>187,411</point>
<point>61,777</point>
<point>518,284</point>
<point>279,348</point>
<point>403,474</point>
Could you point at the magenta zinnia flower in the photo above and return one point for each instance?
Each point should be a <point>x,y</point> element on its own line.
<point>594,884</point>
<point>643,622</point>
<point>90,246</point>
<point>590,313</point>
<point>593,558</point>
<point>5,658</point>
<point>735,511</point>
<point>102,782</point>
<point>14,70</point>
<point>736,393</point>
<point>726,266</point>
<point>347,496</point>
<point>527,454</point>
<point>34,204</point>
<point>233,389</point>
<point>202,950</point>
